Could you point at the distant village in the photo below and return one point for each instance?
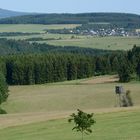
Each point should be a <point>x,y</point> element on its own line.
<point>110,32</point>
<point>98,32</point>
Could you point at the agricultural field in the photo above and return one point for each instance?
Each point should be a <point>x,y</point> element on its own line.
<point>41,111</point>
<point>122,125</point>
<point>66,96</point>
<point>109,43</point>
<point>33,28</point>
<point>44,36</point>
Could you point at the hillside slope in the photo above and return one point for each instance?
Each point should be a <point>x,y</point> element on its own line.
<point>36,112</point>
<point>7,13</point>
<point>117,19</point>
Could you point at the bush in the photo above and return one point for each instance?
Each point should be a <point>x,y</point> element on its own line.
<point>2,111</point>
<point>126,99</point>
<point>128,96</point>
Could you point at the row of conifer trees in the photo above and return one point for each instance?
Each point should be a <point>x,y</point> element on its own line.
<point>55,67</point>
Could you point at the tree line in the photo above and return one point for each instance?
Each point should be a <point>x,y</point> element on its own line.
<point>55,67</point>
<point>25,63</point>
<point>118,19</point>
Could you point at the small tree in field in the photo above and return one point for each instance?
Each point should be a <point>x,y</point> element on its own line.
<point>83,122</point>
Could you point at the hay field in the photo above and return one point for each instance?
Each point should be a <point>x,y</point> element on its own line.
<point>41,111</point>
<point>33,28</point>
<point>109,43</point>
<point>122,125</point>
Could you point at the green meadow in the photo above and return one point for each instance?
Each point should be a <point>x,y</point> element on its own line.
<point>123,125</point>
<point>109,43</point>
<point>40,112</point>
<point>33,28</point>
<point>66,96</point>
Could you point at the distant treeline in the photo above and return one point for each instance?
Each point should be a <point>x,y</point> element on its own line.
<point>115,19</point>
<point>5,34</point>
<point>9,47</point>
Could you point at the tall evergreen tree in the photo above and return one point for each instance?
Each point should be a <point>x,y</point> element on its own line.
<point>3,89</point>
<point>138,69</point>
<point>124,72</point>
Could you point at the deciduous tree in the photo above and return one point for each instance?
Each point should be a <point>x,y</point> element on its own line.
<point>83,122</point>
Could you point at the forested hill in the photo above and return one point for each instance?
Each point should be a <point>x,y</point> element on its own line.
<point>112,18</point>
<point>8,13</point>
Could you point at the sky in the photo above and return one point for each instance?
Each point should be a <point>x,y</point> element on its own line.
<point>72,6</point>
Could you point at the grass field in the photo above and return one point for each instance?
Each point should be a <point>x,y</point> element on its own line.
<point>44,36</point>
<point>111,126</point>
<point>32,28</point>
<point>109,43</point>
<point>40,112</point>
<point>66,96</point>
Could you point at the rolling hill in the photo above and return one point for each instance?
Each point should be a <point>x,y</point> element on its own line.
<point>7,13</point>
<point>121,20</point>
<point>116,19</point>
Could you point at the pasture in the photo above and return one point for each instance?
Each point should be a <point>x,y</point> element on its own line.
<point>67,96</point>
<point>123,125</point>
<point>33,28</point>
<point>41,111</point>
<point>109,43</point>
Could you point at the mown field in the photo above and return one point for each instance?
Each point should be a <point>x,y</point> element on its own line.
<point>33,28</point>
<point>107,43</point>
<point>66,96</point>
<point>40,112</point>
<point>112,126</point>
<point>110,43</point>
